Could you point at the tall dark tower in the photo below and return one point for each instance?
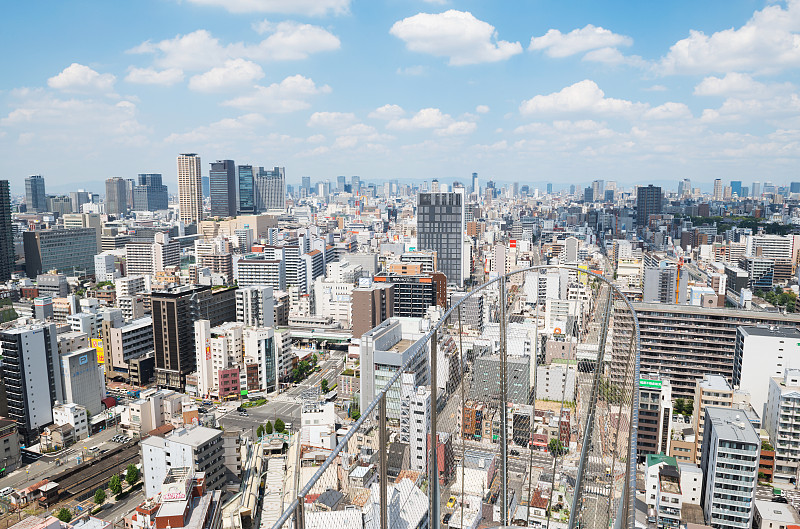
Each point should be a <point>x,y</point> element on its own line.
<point>223,188</point>
<point>6,233</point>
<point>648,202</point>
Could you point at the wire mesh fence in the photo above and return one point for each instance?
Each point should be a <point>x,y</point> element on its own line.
<point>517,407</point>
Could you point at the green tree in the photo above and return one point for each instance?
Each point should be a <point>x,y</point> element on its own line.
<point>260,430</point>
<point>115,485</point>
<point>556,448</point>
<point>324,385</point>
<point>679,406</point>
<point>64,515</point>
<point>268,428</point>
<point>688,407</point>
<point>279,426</point>
<point>99,496</point>
<point>132,474</point>
<point>314,359</point>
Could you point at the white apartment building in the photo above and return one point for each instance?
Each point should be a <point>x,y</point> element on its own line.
<point>145,258</point>
<point>729,463</point>
<point>334,300</point>
<point>74,415</point>
<point>343,272</point>
<point>763,352</point>
<point>255,306</point>
<point>194,447</point>
<point>713,390</point>
<point>260,272</point>
<point>419,426</point>
<point>153,408</point>
<point>104,267</point>
<point>556,382</point>
<point>782,422</point>
<point>132,284</point>
<point>216,348</point>
<point>770,246</point>
<point>259,349</point>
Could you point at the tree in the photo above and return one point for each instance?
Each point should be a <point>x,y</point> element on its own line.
<point>314,359</point>
<point>688,407</point>
<point>556,448</point>
<point>99,496</point>
<point>279,426</point>
<point>680,406</point>
<point>268,428</point>
<point>324,385</point>
<point>132,474</point>
<point>115,485</point>
<point>260,430</point>
<point>64,515</point>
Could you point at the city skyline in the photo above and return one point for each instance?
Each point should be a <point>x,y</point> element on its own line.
<point>435,89</point>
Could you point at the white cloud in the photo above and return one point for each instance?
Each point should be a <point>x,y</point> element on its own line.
<point>166,77</point>
<point>438,2</point>
<point>331,120</point>
<point>292,41</point>
<point>223,130</point>
<point>200,50</point>
<point>459,128</point>
<point>387,112</point>
<point>292,7</point>
<point>482,109</point>
<point>740,85</point>
<point>614,56</point>
<point>768,42</point>
<point>557,44</point>
<point>656,88</point>
<point>584,96</point>
<point>669,110</point>
<point>427,118</point>
<point>289,95</point>
<point>234,74</point>
<point>79,78</point>
<point>316,138</point>
<point>457,35</point>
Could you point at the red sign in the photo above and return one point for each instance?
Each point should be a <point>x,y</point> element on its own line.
<point>512,243</point>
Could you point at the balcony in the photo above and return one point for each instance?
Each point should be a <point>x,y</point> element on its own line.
<point>592,485</point>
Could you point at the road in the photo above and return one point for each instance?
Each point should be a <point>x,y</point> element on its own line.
<point>287,405</point>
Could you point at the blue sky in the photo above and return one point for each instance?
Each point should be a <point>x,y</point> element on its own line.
<point>532,91</point>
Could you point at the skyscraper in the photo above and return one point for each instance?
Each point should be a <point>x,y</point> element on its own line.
<point>440,227</point>
<point>223,188</point>
<point>549,189</point>
<point>598,187</point>
<point>150,194</point>
<point>756,190</point>
<point>736,188</point>
<point>648,202</point>
<point>340,182</point>
<point>794,187</point>
<point>270,189</point>
<point>78,199</point>
<point>6,233</point>
<point>684,187</point>
<point>307,184</point>
<point>116,196</point>
<point>247,198</point>
<point>35,196</point>
<point>718,191</point>
<point>190,192</point>
<point>475,184</point>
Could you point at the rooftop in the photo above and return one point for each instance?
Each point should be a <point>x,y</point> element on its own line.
<point>772,330</point>
<point>776,512</point>
<point>714,382</point>
<point>732,424</point>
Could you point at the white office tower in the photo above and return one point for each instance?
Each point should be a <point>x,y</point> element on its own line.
<point>132,284</point>
<point>731,449</point>
<point>216,349</point>
<point>419,425</point>
<point>84,382</point>
<point>782,423</point>
<point>255,306</point>
<point>333,299</point>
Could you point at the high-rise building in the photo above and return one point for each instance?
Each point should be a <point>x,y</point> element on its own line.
<point>755,190</point>
<point>731,450</point>
<point>255,306</point>
<point>549,189</point>
<point>371,306</point>
<point>270,190</point>
<point>247,197</point>
<point>648,202</point>
<point>116,196</point>
<point>598,189</point>
<point>718,190</point>
<point>440,227</point>
<point>174,312</point>
<point>794,187</point>
<point>222,177</point>
<point>190,192</point>
<point>419,423</point>
<point>782,422</point>
<point>655,416</point>
<point>86,220</point>
<point>70,251</point>
<point>78,198</point>
<point>6,233</point>
<point>31,377</point>
<point>341,180</point>
<point>150,194</point>
<point>306,185</point>
<point>736,188</point>
<point>35,196</point>
<point>684,187</point>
